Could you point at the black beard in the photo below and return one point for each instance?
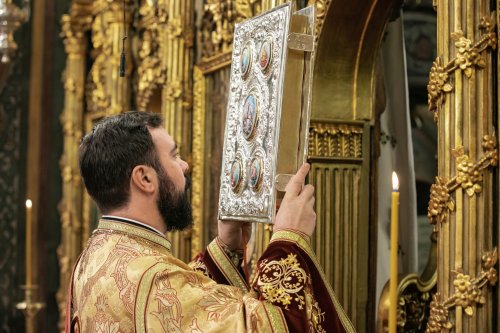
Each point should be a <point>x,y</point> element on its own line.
<point>174,206</point>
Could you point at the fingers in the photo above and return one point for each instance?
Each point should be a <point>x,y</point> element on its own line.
<point>307,192</point>
<point>294,186</point>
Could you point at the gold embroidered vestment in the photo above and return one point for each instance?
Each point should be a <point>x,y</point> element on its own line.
<point>126,280</point>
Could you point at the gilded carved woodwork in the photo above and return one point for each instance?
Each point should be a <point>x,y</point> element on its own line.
<point>176,39</point>
<point>468,57</point>
<point>335,140</point>
<point>463,194</point>
<point>468,292</point>
<point>209,111</point>
<point>218,22</point>
<point>74,29</point>
<point>321,10</point>
<point>339,155</point>
<point>151,71</point>
<point>414,301</point>
<point>468,177</point>
<point>198,236</point>
<point>106,92</point>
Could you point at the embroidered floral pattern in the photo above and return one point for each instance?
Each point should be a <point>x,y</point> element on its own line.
<point>281,281</point>
<point>194,326</point>
<point>315,316</point>
<point>102,323</point>
<point>221,303</point>
<point>169,307</point>
<point>199,267</point>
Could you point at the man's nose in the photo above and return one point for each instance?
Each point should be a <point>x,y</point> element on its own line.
<point>184,166</point>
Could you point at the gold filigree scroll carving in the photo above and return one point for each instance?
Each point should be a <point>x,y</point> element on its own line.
<point>321,10</point>
<point>218,22</point>
<point>335,140</point>
<point>151,72</point>
<point>97,98</point>
<point>413,307</point>
<point>468,177</point>
<point>468,56</point>
<point>468,292</point>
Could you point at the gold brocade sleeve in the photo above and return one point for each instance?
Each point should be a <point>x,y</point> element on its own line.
<point>288,279</point>
<point>170,299</point>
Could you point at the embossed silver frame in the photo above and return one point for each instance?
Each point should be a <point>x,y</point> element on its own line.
<point>280,135</point>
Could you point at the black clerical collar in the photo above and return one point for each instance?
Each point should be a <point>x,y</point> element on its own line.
<point>133,222</point>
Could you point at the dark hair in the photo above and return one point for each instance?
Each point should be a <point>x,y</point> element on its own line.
<point>109,153</point>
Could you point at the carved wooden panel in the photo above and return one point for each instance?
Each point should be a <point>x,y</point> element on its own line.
<point>340,172</point>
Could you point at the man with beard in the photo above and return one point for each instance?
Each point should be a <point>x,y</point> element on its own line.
<point>126,279</point>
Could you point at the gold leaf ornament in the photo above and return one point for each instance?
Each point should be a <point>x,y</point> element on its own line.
<point>437,86</point>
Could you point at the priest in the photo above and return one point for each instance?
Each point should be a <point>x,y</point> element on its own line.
<point>127,280</point>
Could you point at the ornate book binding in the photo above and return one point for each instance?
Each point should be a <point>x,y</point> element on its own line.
<point>268,111</point>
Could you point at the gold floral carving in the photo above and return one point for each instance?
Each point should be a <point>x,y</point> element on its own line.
<point>218,22</point>
<point>468,292</point>
<point>106,93</point>
<point>468,177</point>
<point>173,90</point>
<point>99,88</point>
<point>282,280</point>
<point>468,56</point>
<point>151,72</point>
<point>335,140</point>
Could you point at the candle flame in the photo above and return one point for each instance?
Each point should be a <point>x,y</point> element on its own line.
<point>29,203</point>
<point>395,181</point>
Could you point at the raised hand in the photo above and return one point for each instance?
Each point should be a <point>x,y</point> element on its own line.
<point>232,233</point>
<point>297,208</point>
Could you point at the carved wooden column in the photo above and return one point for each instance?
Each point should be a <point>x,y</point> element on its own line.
<point>461,206</point>
<point>70,208</point>
<point>176,49</point>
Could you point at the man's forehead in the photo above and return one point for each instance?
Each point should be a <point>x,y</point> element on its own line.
<point>162,138</point>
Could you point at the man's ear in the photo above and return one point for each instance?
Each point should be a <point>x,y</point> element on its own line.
<point>144,178</point>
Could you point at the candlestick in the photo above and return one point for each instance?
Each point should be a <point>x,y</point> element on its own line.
<point>29,261</point>
<point>29,305</point>
<point>393,284</point>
